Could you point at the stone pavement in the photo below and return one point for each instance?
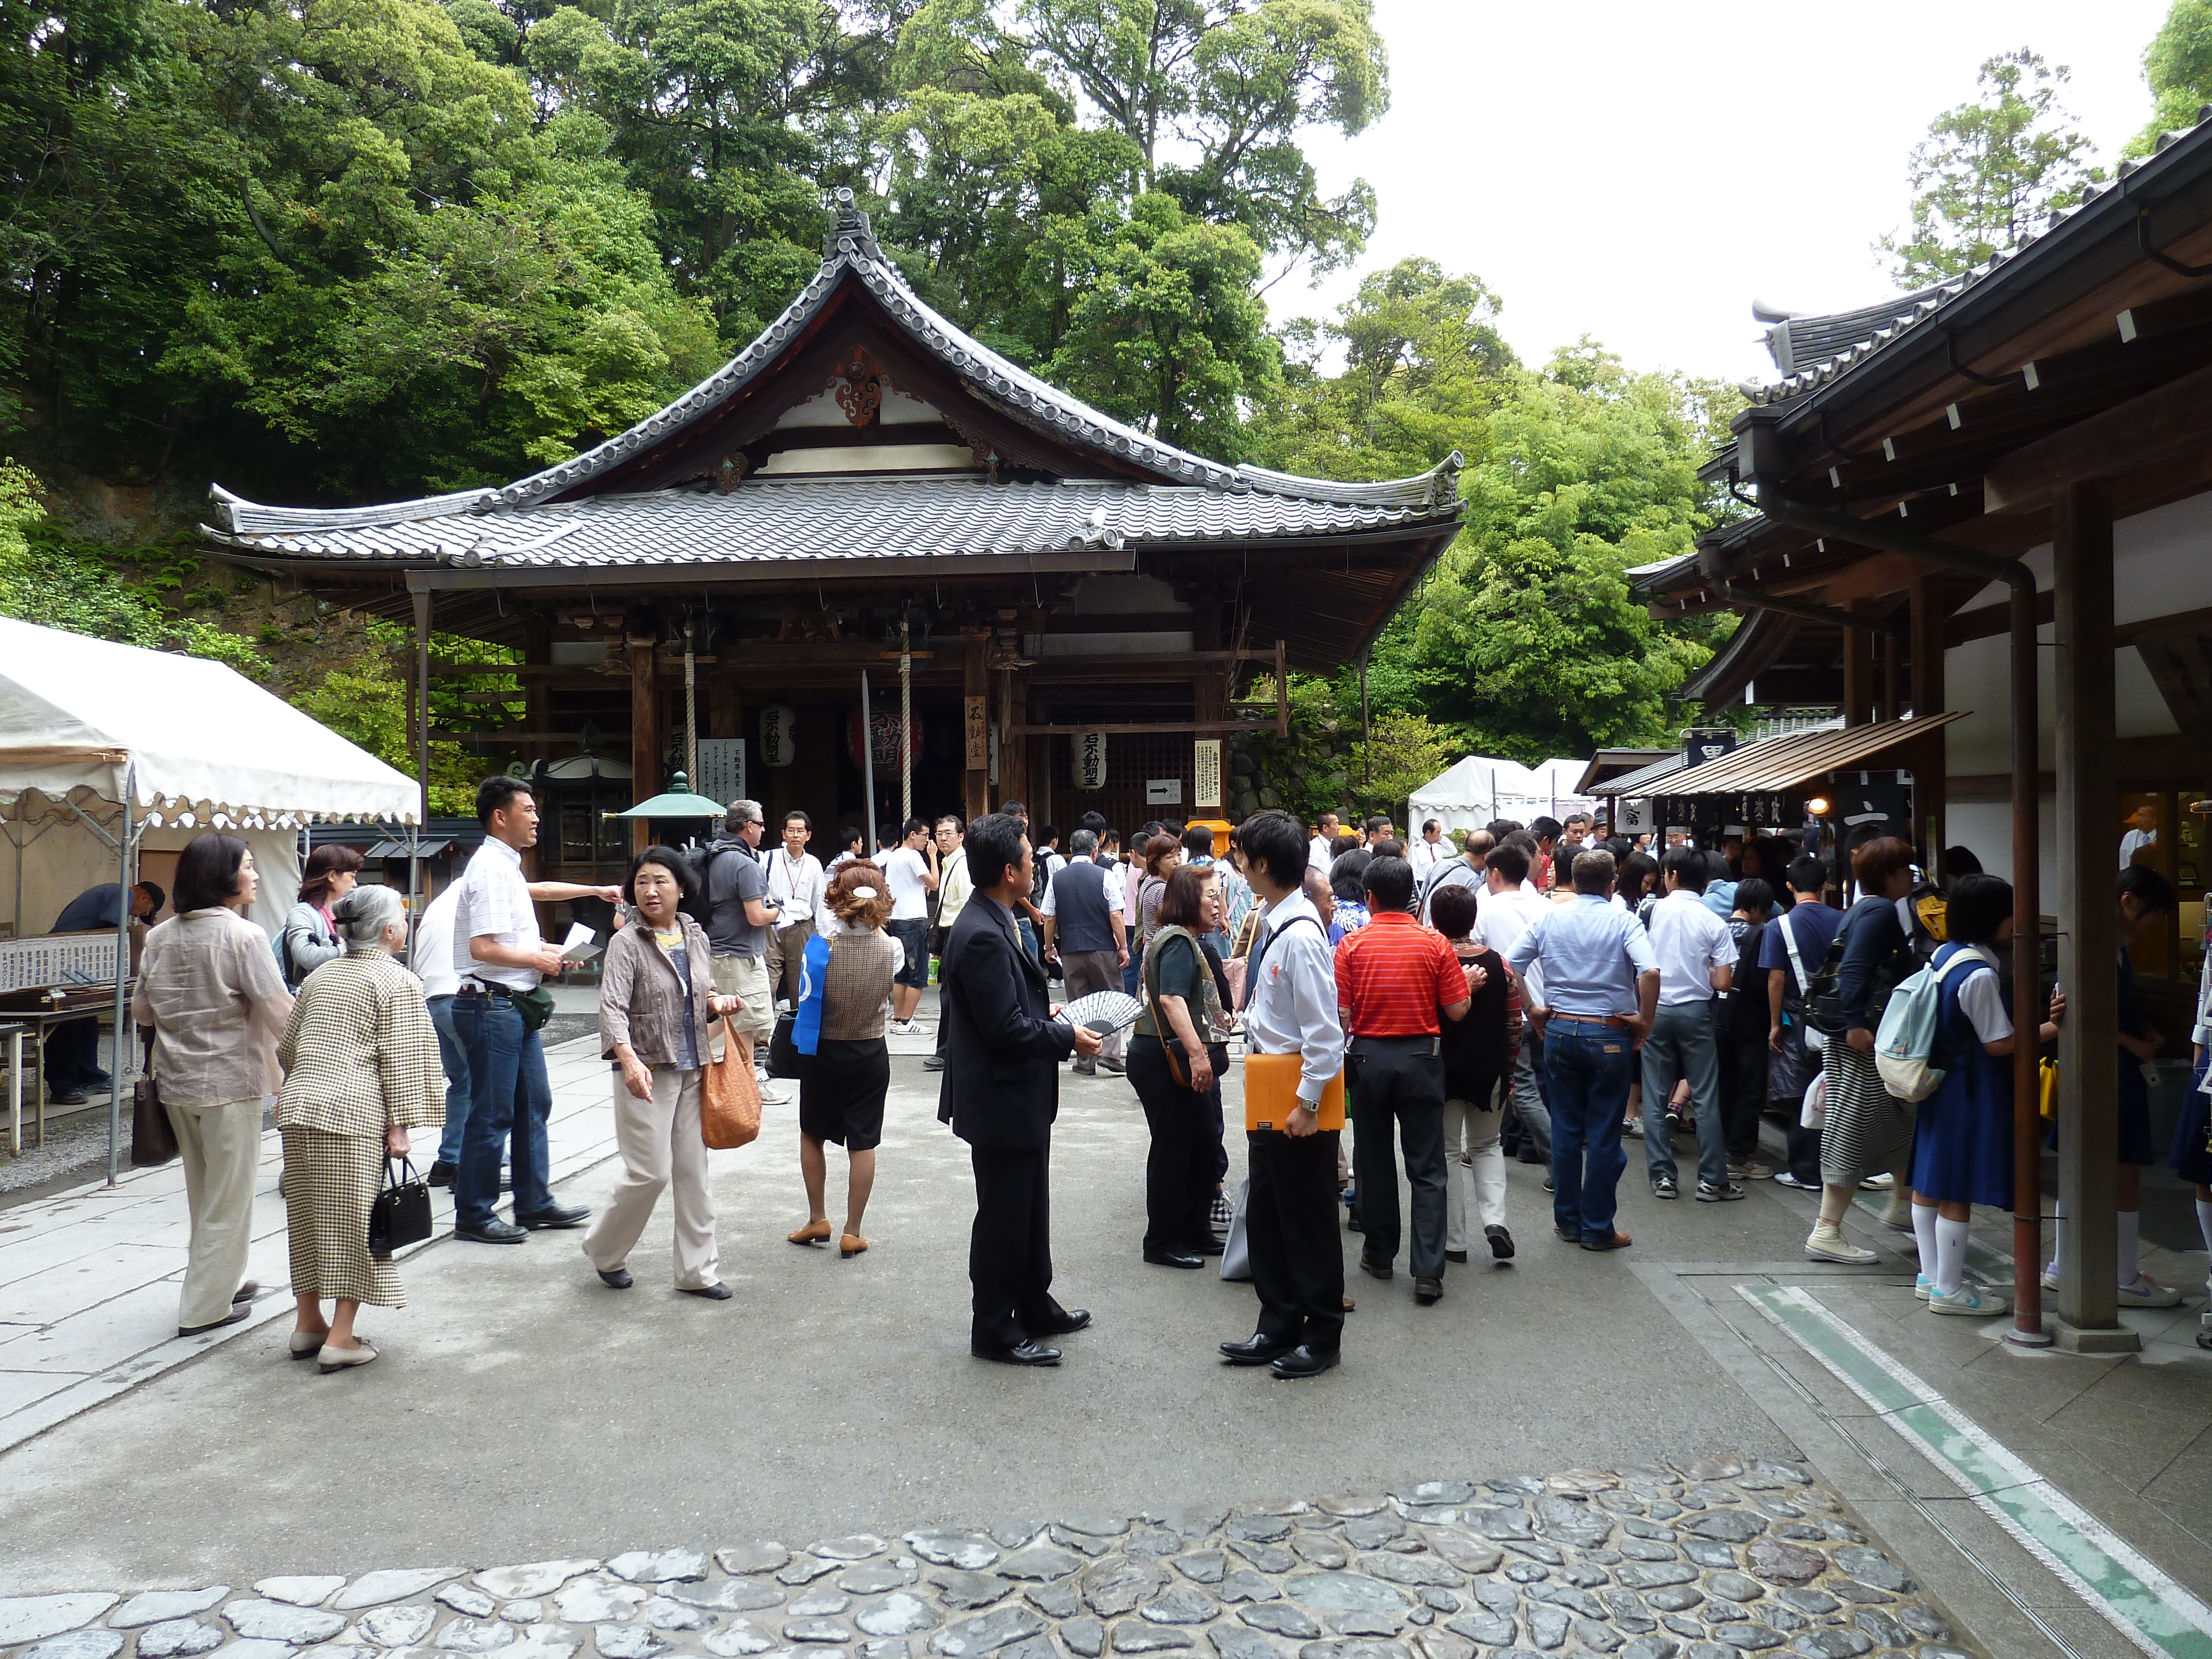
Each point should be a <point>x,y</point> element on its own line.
<point>2049,1504</point>
<point>1713,1561</point>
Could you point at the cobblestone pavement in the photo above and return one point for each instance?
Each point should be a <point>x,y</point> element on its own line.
<point>1713,1559</point>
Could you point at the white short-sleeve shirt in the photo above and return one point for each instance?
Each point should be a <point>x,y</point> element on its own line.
<point>905,870</point>
<point>495,900</point>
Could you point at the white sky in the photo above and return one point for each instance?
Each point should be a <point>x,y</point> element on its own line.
<point>1641,172</point>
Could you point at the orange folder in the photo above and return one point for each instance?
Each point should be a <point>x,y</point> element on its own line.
<point>1271,1092</point>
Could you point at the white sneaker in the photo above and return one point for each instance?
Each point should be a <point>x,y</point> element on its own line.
<point>2148,1292</point>
<point>2050,1278</point>
<point>1921,1287</point>
<point>1969,1303</point>
<point>907,1028</point>
<point>1826,1243</point>
<point>1881,1183</point>
<point>773,1096</point>
<point>1783,1178</point>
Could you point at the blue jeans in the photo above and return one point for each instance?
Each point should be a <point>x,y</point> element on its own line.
<point>453,1056</point>
<point>1682,1045</point>
<point>1591,1064</point>
<point>1029,937</point>
<point>509,1097</point>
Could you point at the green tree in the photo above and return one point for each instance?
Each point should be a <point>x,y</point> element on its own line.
<point>1167,330</point>
<point>1991,172</point>
<point>1404,752</point>
<point>2178,65</point>
<point>1527,634</point>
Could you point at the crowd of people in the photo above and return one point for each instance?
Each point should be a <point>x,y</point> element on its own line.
<point>1432,1008</point>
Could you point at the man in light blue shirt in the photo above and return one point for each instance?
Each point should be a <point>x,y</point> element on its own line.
<point>1601,990</point>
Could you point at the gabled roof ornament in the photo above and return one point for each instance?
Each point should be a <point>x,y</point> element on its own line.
<point>852,226</point>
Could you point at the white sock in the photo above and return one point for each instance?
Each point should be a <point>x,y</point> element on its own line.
<point>1950,1256</point>
<point>2058,1238</point>
<point>1923,1229</point>
<point>2204,1221</point>
<point>2131,1237</point>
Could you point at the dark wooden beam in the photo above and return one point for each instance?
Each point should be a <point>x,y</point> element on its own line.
<point>2166,424</point>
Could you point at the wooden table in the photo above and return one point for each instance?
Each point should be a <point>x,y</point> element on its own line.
<point>21,1018</point>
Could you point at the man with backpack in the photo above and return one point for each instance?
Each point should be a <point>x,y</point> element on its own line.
<point>1742,1030</point>
<point>737,914</point>
<point>1793,945</point>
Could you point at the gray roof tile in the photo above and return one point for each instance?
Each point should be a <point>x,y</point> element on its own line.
<point>827,519</point>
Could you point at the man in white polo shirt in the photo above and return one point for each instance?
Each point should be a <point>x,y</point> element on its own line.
<point>1506,909</point>
<point>1697,958</point>
<point>500,957</point>
<point>907,870</point>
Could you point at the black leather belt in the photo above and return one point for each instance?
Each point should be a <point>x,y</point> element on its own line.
<point>483,988</point>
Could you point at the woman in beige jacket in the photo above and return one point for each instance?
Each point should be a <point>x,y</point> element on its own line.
<point>656,1001</point>
<point>207,986</point>
<point>361,1069</point>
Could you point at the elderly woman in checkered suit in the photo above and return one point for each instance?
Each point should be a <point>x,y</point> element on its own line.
<point>360,1069</point>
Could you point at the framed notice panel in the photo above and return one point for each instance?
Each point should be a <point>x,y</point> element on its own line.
<point>978,733</point>
<point>1205,792</point>
<point>721,769</point>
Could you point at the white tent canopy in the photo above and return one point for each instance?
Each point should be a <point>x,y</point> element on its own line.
<point>109,754</point>
<point>1480,788</point>
<point>192,737</point>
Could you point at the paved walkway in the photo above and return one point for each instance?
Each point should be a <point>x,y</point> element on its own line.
<point>2053,1505</point>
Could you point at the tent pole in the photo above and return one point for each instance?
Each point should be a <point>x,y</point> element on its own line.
<point>421,598</point>
<point>906,724</point>
<point>122,972</point>
<point>867,768</point>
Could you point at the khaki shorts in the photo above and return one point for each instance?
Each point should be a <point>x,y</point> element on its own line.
<point>747,977</point>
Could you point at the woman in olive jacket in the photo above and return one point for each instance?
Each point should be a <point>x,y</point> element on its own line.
<point>656,1001</point>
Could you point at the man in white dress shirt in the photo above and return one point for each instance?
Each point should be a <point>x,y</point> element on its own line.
<point>500,958</point>
<point>1290,1214</point>
<point>1319,851</point>
<point>798,888</point>
<point>1697,957</point>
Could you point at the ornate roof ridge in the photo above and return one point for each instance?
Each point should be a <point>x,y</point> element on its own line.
<point>851,245</point>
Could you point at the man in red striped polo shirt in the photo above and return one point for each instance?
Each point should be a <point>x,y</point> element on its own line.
<point>1395,982</point>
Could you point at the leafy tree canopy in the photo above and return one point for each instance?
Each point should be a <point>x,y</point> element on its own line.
<point>1991,172</point>
<point>2178,65</point>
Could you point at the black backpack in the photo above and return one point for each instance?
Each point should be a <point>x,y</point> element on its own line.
<point>1824,1005</point>
<point>696,904</point>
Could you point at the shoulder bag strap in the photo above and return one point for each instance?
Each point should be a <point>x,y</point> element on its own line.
<point>1796,960</point>
<point>1147,980</point>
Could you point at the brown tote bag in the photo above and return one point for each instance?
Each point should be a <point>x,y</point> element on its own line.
<point>730,1103</point>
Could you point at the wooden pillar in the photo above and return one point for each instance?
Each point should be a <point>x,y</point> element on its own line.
<point>1893,644</point>
<point>2085,1318</point>
<point>1013,751</point>
<point>644,728</point>
<point>537,694</point>
<point>423,600</point>
<point>975,723</point>
<point>1930,793</point>
<point>1859,674</point>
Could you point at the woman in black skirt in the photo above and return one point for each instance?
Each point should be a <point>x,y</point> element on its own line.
<point>842,1088</point>
<point>1175,1059</point>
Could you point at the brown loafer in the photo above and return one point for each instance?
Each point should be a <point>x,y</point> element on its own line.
<point>850,1245</point>
<point>814,1232</point>
<point>1619,1241</point>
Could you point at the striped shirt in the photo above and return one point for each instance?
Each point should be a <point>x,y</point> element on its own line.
<point>1394,975</point>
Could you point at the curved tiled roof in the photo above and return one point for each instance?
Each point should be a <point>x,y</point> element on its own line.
<point>799,519</point>
<point>852,246</point>
<point>1870,328</point>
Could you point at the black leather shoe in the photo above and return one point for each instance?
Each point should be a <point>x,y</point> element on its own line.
<point>619,1279</point>
<point>561,1215</point>
<point>717,1291</point>
<point>65,1096</point>
<point>1070,1319</point>
<point>1352,1223</point>
<point>933,1063</point>
<point>1302,1361</point>
<point>1175,1258</point>
<point>493,1231</point>
<point>1256,1351</point>
<point>442,1173</point>
<point>236,1315</point>
<point>1031,1352</point>
<point>245,1292</point>
<point>1501,1243</point>
<point>1426,1291</point>
<point>1211,1244</point>
<point>1457,1256</point>
<point>1377,1269</point>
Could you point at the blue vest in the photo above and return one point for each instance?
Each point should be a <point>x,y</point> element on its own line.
<point>1078,903</point>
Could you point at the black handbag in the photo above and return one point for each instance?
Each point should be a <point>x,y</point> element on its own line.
<point>401,1214</point>
<point>152,1136</point>
<point>783,1057</point>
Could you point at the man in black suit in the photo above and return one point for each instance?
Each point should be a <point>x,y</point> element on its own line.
<point>1003,1046</point>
